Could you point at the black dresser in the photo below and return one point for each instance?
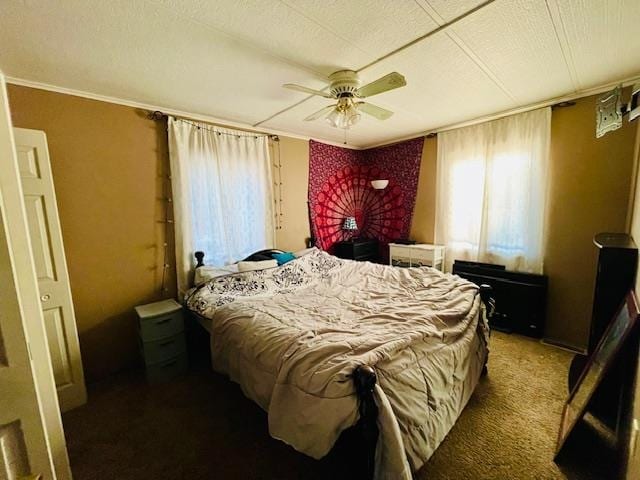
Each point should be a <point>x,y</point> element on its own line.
<point>617,260</point>
<point>615,275</point>
<point>521,298</point>
<point>363,249</point>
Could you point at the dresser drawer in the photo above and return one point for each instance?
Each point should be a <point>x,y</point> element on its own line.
<point>157,351</point>
<point>162,326</point>
<point>167,369</point>
<point>400,250</point>
<point>429,256</point>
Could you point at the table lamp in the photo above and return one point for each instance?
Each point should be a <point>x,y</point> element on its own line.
<point>350,225</point>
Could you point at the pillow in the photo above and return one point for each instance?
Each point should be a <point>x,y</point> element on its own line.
<point>206,273</point>
<point>258,257</point>
<point>284,257</point>
<point>261,265</point>
<point>300,253</point>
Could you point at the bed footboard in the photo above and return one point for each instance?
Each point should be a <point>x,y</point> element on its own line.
<point>364,378</point>
<point>486,295</point>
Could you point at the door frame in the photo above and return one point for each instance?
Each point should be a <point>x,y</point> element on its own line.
<point>27,292</point>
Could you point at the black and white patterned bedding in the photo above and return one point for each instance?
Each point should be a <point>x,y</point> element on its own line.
<point>314,266</point>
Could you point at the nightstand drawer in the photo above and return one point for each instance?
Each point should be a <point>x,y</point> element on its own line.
<point>167,369</point>
<point>157,351</point>
<point>162,326</point>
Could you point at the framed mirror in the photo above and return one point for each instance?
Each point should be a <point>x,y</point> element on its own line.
<point>597,367</point>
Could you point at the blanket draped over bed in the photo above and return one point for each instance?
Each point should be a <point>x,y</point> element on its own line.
<point>292,337</point>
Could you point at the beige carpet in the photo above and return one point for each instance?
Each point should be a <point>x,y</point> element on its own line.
<point>202,427</point>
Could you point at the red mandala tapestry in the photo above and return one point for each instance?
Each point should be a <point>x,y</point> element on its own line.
<point>340,187</point>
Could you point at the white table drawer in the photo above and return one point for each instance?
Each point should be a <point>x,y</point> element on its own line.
<point>400,250</point>
<point>162,326</point>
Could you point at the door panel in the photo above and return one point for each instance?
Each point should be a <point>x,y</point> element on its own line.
<point>40,237</point>
<point>14,459</point>
<point>28,162</point>
<point>48,254</point>
<point>58,350</point>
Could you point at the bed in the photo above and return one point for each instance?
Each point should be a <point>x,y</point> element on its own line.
<point>327,346</point>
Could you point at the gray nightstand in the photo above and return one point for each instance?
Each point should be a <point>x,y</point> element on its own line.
<point>162,340</point>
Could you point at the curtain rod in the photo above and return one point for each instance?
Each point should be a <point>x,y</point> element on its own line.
<point>157,115</point>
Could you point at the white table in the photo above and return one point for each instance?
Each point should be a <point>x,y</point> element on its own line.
<point>416,255</point>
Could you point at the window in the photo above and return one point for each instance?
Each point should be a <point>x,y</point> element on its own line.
<point>222,195</point>
<point>491,191</point>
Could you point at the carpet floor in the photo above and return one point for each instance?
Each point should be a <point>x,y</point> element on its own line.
<point>202,427</point>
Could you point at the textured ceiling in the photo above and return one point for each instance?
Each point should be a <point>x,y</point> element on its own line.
<point>228,59</point>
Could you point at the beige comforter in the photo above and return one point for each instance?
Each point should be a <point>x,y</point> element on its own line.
<point>292,336</point>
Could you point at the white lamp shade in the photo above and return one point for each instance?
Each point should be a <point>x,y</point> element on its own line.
<point>379,184</point>
<point>349,224</point>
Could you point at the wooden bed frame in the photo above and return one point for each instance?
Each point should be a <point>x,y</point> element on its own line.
<point>365,432</point>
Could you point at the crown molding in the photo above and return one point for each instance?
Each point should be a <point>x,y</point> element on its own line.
<point>221,122</point>
<point>246,126</point>
<point>505,113</point>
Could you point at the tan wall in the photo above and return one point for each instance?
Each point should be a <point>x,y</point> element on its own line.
<point>424,214</point>
<point>589,189</point>
<point>294,155</point>
<point>107,162</point>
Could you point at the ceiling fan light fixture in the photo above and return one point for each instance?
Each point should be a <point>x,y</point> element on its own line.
<point>345,115</point>
<point>345,87</point>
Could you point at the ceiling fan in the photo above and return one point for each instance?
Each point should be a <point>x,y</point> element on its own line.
<point>345,87</point>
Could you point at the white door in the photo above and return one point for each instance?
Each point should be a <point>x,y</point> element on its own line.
<point>51,266</point>
<point>31,440</point>
<point>23,446</point>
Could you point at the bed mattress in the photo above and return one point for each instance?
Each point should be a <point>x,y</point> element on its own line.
<point>292,336</point>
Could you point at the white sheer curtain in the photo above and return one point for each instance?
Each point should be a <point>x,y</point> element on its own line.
<point>222,194</point>
<point>491,191</point>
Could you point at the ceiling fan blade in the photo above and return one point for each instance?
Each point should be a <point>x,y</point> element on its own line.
<point>320,113</point>
<point>383,84</point>
<point>300,88</point>
<point>375,111</point>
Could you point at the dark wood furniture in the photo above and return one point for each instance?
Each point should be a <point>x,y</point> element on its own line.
<point>362,249</point>
<point>616,269</point>
<point>521,297</point>
<point>617,261</point>
<point>360,440</point>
